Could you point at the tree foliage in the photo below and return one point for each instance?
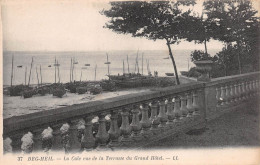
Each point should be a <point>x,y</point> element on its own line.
<point>154,20</point>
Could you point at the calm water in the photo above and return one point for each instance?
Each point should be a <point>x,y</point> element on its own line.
<point>156,63</point>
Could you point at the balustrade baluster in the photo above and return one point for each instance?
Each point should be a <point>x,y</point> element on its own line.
<point>125,127</point>
<point>7,145</point>
<point>102,134</point>
<point>88,140</point>
<point>240,91</point>
<point>47,138</point>
<point>254,87</point>
<point>136,125</point>
<point>162,115</point>
<point>65,137</point>
<point>27,143</point>
<point>183,108</point>
<point>145,122</point>
<point>232,95</point>
<point>227,94</point>
<point>251,89</point>
<point>246,90</point>
<point>218,92</point>
<point>114,131</point>
<point>170,112</point>
<point>236,92</point>
<point>80,129</point>
<point>190,107</point>
<point>257,87</point>
<point>195,104</point>
<point>177,111</point>
<point>154,118</point>
<point>223,95</point>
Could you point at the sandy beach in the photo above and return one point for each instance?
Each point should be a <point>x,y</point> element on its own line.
<point>16,106</point>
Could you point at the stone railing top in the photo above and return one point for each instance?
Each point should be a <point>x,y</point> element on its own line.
<point>227,79</point>
<point>59,115</point>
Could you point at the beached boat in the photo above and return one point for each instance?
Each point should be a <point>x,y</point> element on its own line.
<point>58,90</point>
<point>81,90</point>
<point>56,64</point>
<point>87,64</point>
<point>108,85</point>
<point>28,93</point>
<point>169,74</point>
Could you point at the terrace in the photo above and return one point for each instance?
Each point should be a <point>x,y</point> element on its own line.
<point>132,121</point>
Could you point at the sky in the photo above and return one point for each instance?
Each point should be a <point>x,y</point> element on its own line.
<point>70,26</point>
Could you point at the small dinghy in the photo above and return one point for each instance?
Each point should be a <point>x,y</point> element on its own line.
<point>169,74</point>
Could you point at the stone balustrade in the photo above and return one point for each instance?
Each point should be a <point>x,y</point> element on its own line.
<point>129,121</point>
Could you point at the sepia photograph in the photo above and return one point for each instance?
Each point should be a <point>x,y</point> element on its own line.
<point>154,82</point>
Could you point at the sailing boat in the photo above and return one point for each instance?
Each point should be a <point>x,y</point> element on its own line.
<point>28,92</point>
<point>58,88</point>
<point>107,63</point>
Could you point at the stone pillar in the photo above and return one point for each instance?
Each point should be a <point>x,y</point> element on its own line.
<point>102,134</point>
<point>162,115</point>
<point>136,125</point>
<point>114,132</point>
<point>170,112</point>
<point>154,118</point>
<point>88,140</point>
<point>125,127</point>
<point>145,122</point>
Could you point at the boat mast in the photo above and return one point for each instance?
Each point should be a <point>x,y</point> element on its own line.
<point>107,65</point>
<point>12,72</point>
<point>37,76</point>
<point>25,75</point>
<point>128,64</point>
<point>123,67</point>
<point>70,68</point>
<point>41,73</point>
<point>55,69</point>
<point>58,70</point>
<point>95,72</point>
<point>80,75</point>
<point>72,71</point>
<point>30,72</point>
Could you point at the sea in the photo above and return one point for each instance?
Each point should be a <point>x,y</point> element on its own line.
<point>155,60</point>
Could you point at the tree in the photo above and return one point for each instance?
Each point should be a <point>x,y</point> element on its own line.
<point>155,20</point>
<point>234,21</point>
